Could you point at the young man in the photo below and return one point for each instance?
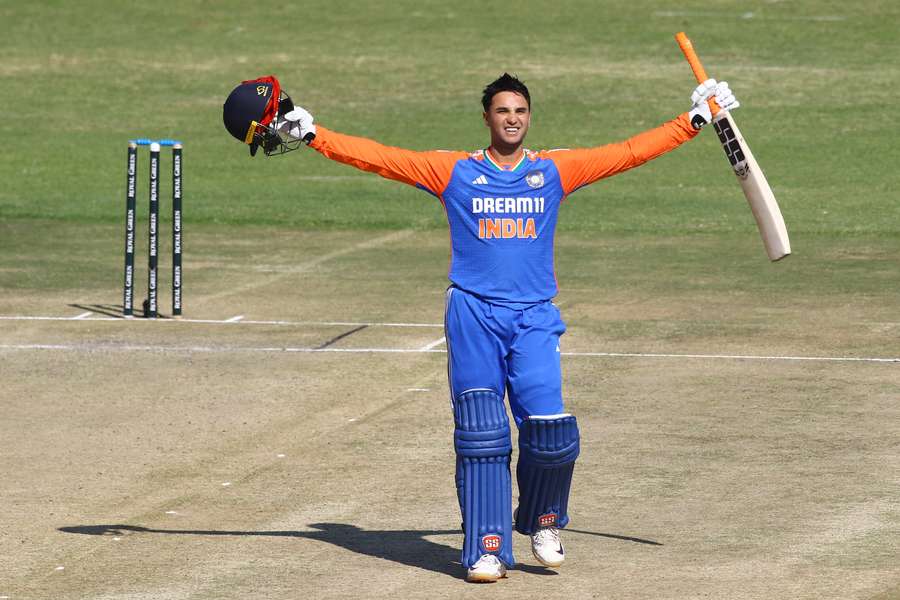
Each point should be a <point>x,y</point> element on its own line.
<point>501,327</point>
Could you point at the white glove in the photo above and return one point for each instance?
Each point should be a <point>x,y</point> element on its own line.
<point>297,125</point>
<point>700,114</point>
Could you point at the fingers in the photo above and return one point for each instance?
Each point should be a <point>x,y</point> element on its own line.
<point>703,91</point>
<point>725,97</point>
<point>298,114</point>
<point>715,89</point>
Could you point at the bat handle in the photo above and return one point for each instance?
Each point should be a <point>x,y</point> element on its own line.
<point>687,48</point>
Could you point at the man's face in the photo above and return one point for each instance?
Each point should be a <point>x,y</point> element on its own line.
<point>508,119</point>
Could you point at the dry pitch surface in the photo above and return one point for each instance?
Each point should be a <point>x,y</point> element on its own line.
<point>229,459</point>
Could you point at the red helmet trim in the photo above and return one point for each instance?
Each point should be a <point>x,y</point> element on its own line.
<point>271,109</point>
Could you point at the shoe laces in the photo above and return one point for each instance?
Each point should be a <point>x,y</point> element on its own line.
<point>547,535</point>
<point>487,559</point>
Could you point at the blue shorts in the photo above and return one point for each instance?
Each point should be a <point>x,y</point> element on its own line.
<point>507,350</point>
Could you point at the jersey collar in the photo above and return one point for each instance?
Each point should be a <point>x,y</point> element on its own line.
<point>505,168</point>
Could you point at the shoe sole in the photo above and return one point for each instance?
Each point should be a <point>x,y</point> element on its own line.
<point>547,563</point>
<point>484,577</point>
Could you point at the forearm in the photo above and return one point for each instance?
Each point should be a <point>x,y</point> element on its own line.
<point>362,153</point>
<point>645,146</point>
<point>426,170</point>
<point>648,145</point>
<point>584,166</point>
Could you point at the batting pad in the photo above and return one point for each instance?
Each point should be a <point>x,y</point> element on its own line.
<point>483,482</point>
<point>548,447</point>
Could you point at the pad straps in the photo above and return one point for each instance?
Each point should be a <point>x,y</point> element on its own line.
<point>484,486</point>
<point>548,447</point>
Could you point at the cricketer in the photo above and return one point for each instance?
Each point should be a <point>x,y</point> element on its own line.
<point>502,328</point>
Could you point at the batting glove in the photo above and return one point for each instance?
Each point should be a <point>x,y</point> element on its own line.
<point>700,113</point>
<point>297,125</point>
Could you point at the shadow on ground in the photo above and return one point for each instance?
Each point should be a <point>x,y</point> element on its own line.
<point>408,547</point>
<point>405,546</point>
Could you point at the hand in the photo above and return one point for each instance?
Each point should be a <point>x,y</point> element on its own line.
<point>700,113</point>
<point>297,125</point>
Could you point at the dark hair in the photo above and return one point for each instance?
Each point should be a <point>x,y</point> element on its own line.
<point>504,83</point>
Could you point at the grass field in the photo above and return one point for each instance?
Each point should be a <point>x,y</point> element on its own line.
<point>740,418</point>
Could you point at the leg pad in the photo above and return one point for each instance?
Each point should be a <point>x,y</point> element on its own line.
<point>483,482</point>
<point>548,447</point>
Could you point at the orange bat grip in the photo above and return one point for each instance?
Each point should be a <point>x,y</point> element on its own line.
<point>696,66</point>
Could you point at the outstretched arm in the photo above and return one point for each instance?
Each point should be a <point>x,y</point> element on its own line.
<point>578,168</point>
<point>429,171</point>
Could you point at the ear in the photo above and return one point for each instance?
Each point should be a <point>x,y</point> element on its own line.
<point>484,116</point>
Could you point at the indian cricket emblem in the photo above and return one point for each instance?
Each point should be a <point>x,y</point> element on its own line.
<point>491,543</point>
<point>535,179</point>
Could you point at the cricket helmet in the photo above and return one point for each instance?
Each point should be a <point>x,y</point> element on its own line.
<point>251,114</point>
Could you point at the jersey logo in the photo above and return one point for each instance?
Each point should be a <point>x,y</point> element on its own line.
<point>535,179</point>
<point>506,228</point>
<point>480,180</point>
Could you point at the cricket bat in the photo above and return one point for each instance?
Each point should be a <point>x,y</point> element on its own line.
<point>750,176</point>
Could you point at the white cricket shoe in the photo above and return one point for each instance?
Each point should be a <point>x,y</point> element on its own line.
<point>487,570</point>
<point>547,547</point>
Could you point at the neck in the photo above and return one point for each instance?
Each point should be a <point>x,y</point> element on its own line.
<point>502,153</point>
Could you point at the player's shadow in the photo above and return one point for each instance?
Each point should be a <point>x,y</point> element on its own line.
<point>107,310</point>
<point>408,547</point>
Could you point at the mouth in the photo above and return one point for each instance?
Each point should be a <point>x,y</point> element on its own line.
<point>511,130</point>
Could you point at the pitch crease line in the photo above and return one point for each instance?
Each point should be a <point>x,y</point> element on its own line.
<point>230,321</point>
<point>275,349</point>
<point>433,344</point>
<point>736,357</point>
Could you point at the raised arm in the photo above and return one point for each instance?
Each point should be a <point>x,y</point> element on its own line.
<point>430,171</point>
<point>578,168</point>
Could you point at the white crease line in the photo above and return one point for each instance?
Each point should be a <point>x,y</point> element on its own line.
<point>82,316</point>
<point>211,349</point>
<point>433,344</point>
<point>221,321</point>
<point>234,319</point>
<point>735,356</point>
<point>747,15</point>
<point>275,349</point>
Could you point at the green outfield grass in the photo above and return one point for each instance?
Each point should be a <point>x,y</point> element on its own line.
<point>817,82</point>
<point>290,437</point>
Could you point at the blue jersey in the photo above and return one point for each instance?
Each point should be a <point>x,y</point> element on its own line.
<point>502,224</point>
<point>503,217</point>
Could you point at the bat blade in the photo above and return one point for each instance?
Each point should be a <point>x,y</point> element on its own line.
<point>756,188</point>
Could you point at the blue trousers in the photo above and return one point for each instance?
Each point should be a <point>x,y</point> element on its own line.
<point>512,351</point>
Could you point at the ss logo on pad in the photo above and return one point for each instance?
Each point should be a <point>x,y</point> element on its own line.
<point>491,543</point>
